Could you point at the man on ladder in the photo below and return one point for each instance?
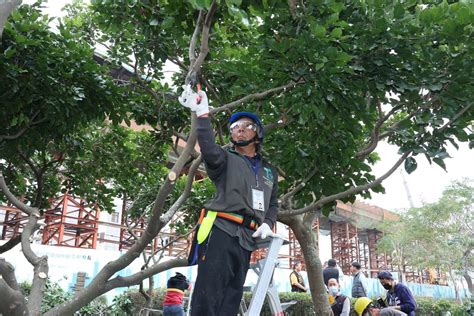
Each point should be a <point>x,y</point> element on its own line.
<point>244,208</point>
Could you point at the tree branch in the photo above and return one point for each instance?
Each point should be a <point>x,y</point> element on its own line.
<point>204,49</point>
<point>210,88</point>
<point>192,44</point>
<point>136,278</point>
<point>30,227</point>
<point>391,129</point>
<point>12,303</point>
<point>28,161</point>
<point>184,195</point>
<point>24,129</point>
<point>143,84</point>
<point>40,265</point>
<point>163,247</point>
<point>32,211</point>
<point>284,198</point>
<point>256,96</point>
<point>10,244</point>
<point>455,118</point>
<point>7,272</point>
<point>177,62</point>
<point>39,173</point>
<point>154,226</point>
<point>351,191</point>
<point>374,136</point>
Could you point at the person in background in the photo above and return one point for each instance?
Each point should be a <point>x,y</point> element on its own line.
<point>296,279</point>
<point>173,300</point>
<point>330,272</point>
<point>359,283</point>
<point>364,307</point>
<point>341,305</point>
<point>399,296</point>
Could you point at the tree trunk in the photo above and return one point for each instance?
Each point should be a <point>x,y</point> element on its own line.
<point>148,294</point>
<point>6,8</point>
<point>468,279</point>
<point>456,290</point>
<point>302,228</point>
<point>12,302</point>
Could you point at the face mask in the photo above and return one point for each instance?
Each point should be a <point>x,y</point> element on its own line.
<point>333,290</point>
<point>387,286</point>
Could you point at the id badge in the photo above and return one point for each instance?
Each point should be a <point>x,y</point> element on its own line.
<point>257,199</point>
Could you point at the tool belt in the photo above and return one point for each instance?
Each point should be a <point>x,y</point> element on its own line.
<point>207,218</point>
<point>245,221</point>
<point>204,226</point>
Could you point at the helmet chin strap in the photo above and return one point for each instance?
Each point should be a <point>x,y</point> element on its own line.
<point>243,143</point>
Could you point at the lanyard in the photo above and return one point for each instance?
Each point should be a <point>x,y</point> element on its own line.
<point>255,170</point>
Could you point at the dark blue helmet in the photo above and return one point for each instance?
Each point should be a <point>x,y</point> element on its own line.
<point>254,117</point>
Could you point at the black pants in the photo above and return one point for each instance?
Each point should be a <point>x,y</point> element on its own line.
<point>221,275</point>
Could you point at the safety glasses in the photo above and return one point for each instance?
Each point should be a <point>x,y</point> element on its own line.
<point>244,125</point>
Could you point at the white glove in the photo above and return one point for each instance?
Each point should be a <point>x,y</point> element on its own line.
<point>263,232</point>
<point>189,99</point>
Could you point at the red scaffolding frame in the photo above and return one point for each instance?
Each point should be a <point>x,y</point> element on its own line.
<point>345,244</point>
<point>71,222</point>
<point>13,223</point>
<point>378,260</point>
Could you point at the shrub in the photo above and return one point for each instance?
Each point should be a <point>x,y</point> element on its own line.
<point>55,295</point>
<point>430,306</point>
<point>131,302</point>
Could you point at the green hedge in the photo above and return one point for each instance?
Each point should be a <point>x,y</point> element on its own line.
<point>426,306</point>
<point>430,306</point>
<point>55,295</point>
<point>131,302</point>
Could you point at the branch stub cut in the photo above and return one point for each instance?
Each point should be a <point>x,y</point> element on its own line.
<point>172,176</point>
<point>42,275</point>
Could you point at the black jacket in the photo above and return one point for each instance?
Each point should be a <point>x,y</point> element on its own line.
<point>330,273</point>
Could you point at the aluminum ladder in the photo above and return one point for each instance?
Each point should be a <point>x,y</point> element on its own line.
<point>264,287</point>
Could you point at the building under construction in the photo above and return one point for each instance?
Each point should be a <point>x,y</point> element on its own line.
<point>72,222</point>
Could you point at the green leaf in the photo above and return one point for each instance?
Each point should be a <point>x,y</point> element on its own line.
<point>204,3</point>
<point>154,22</point>
<point>233,2</point>
<point>435,87</point>
<point>200,4</point>
<point>398,11</point>
<point>410,165</point>
<point>9,52</point>
<point>336,33</point>
<point>337,7</point>
<point>14,121</point>
<point>318,30</point>
<point>464,16</point>
<point>440,162</point>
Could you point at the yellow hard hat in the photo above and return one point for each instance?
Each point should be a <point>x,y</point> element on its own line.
<point>361,304</point>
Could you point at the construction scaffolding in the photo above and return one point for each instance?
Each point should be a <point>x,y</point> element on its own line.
<point>295,254</point>
<point>13,222</point>
<point>378,260</point>
<point>71,222</point>
<point>345,244</point>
